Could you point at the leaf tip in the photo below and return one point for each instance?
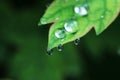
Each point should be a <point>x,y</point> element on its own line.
<point>42,21</point>
<point>39,24</point>
<point>98,33</point>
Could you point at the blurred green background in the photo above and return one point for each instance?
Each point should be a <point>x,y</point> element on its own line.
<point>23,48</point>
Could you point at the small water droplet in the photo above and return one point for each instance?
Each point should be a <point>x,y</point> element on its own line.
<point>102,16</point>
<point>50,52</point>
<point>81,10</point>
<point>71,26</point>
<point>60,33</point>
<point>60,47</point>
<point>77,41</point>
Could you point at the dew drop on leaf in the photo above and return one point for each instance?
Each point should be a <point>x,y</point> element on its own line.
<point>60,47</point>
<point>71,26</point>
<point>77,41</point>
<point>60,33</point>
<point>102,16</point>
<point>81,10</point>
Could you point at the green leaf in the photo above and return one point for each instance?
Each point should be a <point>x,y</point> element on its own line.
<point>72,19</point>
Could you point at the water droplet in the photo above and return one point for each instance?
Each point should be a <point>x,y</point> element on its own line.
<point>60,47</point>
<point>102,16</point>
<point>50,52</point>
<point>71,26</point>
<point>60,33</point>
<point>81,10</point>
<point>77,41</point>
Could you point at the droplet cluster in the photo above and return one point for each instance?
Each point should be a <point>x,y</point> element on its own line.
<point>71,26</point>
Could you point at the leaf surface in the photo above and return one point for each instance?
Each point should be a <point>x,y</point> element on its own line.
<point>80,16</point>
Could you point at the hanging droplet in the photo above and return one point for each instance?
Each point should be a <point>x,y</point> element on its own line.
<point>60,47</point>
<point>81,10</point>
<point>71,26</point>
<point>77,41</point>
<point>50,52</point>
<point>60,33</point>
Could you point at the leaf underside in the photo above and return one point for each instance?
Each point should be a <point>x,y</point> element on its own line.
<point>101,13</point>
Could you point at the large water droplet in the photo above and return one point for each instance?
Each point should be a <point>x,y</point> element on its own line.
<point>60,47</point>
<point>71,26</point>
<point>60,33</point>
<point>50,52</point>
<point>77,41</point>
<point>81,10</point>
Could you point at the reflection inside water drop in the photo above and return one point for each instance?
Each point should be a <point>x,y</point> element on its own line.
<point>102,16</point>
<point>81,10</point>
<point>71,26</point>
<point>60,33</point>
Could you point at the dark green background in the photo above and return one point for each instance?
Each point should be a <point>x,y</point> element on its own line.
<point>23,48</point>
